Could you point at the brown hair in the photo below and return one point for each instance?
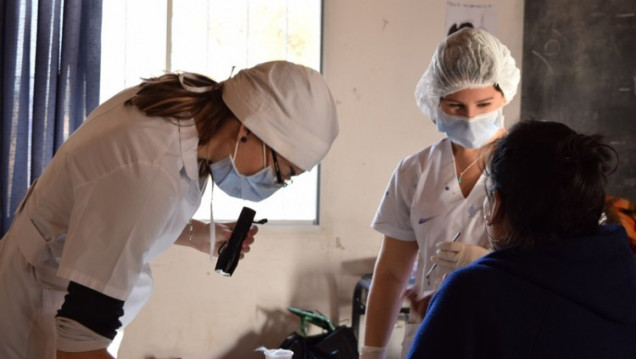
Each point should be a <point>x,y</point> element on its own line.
<point>165,96</point>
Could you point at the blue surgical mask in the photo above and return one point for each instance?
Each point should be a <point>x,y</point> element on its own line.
<point>255,188</point>
<point>471,132</point>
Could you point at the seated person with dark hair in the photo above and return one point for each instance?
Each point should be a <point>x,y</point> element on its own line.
<point>558,284</point>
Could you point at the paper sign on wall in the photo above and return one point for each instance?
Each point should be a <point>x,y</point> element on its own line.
<point>482,16</point>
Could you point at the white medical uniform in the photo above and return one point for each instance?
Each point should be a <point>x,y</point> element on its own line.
<point>424,203</point>
<point>117,194</point>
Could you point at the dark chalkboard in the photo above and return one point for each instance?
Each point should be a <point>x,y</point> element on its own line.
<point>579,68</point>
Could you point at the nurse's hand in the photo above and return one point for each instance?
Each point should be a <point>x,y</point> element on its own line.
<point>418,306</point>
<point>223,233</point>
<point>199,237</point>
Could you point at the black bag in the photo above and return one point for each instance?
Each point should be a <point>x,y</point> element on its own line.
<point>340,343</point>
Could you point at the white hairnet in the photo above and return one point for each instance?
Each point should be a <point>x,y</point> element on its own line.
<point>469,58</point>
<point>288,106</point>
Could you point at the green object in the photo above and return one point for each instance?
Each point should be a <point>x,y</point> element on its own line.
<point>315,318</point>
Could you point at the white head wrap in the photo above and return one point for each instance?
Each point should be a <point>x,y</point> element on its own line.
<point>469,58</point>
<point>288,106</point>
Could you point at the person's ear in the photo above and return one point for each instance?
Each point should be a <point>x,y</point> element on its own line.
<point>243,133</point>
<point>493,211</point>
<point>496,214</point>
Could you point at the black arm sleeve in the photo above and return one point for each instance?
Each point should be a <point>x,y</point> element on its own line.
<point>96,311</point>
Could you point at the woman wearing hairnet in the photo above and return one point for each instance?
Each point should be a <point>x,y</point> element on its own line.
<point>123,188</point>
<point>432,208</point>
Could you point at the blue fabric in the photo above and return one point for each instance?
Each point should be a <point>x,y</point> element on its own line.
<point>571,299</point>
<point>50,69</point>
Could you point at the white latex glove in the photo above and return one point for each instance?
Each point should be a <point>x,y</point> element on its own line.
<point>453,255</point>
<point>372,352</point>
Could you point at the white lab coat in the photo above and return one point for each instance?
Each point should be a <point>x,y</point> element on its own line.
<point>117,194</point>
<point>424,203</point>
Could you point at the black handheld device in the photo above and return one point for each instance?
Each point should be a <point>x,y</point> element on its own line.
<point>230,253</point>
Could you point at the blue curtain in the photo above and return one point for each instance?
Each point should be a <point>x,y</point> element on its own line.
<point>50,66</point>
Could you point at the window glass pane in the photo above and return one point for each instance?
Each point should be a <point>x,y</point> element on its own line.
<point>215,38</point>
<point>219,37</point>
<point>133,43</point>
<point>212,36</point>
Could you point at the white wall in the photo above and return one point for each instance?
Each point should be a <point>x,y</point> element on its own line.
<point>374,53</point>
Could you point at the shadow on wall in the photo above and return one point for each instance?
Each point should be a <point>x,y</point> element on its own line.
<point>279,323</point>
<point>313,291</point>
<point>317,291</point>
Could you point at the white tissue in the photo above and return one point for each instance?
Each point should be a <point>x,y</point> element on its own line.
<point>276,353</point>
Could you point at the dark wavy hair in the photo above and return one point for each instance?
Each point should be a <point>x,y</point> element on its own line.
<point>551,180</point>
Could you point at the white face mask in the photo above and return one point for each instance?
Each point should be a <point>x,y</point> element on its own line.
<point>471,132</point>
<point>255,188</point>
